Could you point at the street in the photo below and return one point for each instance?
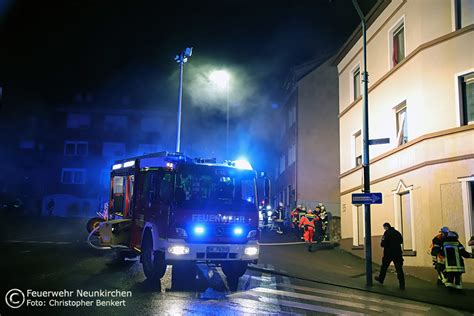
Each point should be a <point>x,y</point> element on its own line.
<point>60,260</point>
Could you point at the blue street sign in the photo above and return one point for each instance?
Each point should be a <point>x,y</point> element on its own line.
<point>367,198</point>
<point>379,141</point>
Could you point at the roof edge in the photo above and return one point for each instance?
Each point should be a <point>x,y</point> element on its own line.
<point>370,18</point>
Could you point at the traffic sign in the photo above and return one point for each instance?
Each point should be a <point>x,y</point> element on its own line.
<point>367,198</point>
<point>379,141</point>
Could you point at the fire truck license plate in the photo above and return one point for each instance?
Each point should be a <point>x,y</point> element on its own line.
<point>217,249</point>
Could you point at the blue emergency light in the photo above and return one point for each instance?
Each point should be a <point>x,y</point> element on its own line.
<point>199,230</point>
<point>238,231</point>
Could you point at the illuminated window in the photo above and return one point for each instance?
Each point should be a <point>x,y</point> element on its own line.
<point>398,44</point>
<point>356,83</point>
<point>466,89</point>
<point>357,148</point>
<point>402,125</point>
<point>73,176</point>
<point>73,148</point>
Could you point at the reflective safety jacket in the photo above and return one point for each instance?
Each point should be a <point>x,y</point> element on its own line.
<point>308,220</point>
<point>279,214</point>
<point>296,214</point>
<point>454,251</point>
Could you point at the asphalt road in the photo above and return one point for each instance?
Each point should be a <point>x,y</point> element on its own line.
<point>56,259</point>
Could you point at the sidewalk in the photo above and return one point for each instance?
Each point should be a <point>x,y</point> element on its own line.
<point>331,265</point>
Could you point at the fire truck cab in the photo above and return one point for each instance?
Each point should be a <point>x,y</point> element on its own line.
<point>174,210</point>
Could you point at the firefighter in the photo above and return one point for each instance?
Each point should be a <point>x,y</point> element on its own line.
<point>437,253</point>
<point>454,264</point>
<point>318,229</point>
<point>307,222</point>
<point>278,217</point>
<point>295,219</point>
<point>324,216</point>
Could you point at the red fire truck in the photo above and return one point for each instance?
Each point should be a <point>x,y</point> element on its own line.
<point>174,210</point>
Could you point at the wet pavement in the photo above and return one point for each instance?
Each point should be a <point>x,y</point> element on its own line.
<point>58,260</point>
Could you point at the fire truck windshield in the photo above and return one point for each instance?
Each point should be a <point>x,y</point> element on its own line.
<point>207,185</point>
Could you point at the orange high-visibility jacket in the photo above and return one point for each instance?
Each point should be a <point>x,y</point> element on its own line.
<point>308,219</point>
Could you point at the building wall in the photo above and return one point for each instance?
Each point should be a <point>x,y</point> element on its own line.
<point>439,151</point>
<point>318,132</point>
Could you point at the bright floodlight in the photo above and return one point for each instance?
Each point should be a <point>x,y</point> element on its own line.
<point>220,77</point>
<point>243,164</point>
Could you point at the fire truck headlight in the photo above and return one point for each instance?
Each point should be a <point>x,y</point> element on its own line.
<point>269,207</point>
<point>238,231</point>
<point>199,230</point>
<point>251,251</point>
<point>178,250</point>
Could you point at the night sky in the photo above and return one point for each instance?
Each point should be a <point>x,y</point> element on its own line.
<point>121,52</point>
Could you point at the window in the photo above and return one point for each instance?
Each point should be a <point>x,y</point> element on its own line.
<point>282,163</point>
<point>467,189</point>
<point>466,102</point>
<point>404,215</point>
<point>151,124</point>
<point>73,176</point>
<point>463,13</point>
<point>113,150</point>
<point>78,121</point>
<point>27,144</point>
<point>359,226</point>
<point>398,44</point>
<point>105,179</point>
<point>356,83</point>
<point>357,148</point>
<point>291,154</point>
<point>402,125</point>
<point>76,148</point>
<point>115,122</point>
<point>291,116</point>
<point>406,218</point>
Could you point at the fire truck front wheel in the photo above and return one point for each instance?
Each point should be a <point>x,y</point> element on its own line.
<point>154,265</point>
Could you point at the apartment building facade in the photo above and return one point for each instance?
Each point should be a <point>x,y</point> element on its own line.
<point>308,166</point>
<point>63,157</point>
<point>421,95</point>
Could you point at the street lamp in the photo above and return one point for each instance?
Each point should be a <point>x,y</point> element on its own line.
<point>181,58</point>
<point>365,147</point>
<point>221,78</point>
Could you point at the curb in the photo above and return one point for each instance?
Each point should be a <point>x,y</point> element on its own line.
<point>368,290</point>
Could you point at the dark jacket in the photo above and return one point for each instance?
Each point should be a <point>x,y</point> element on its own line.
<point>391,242</point>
